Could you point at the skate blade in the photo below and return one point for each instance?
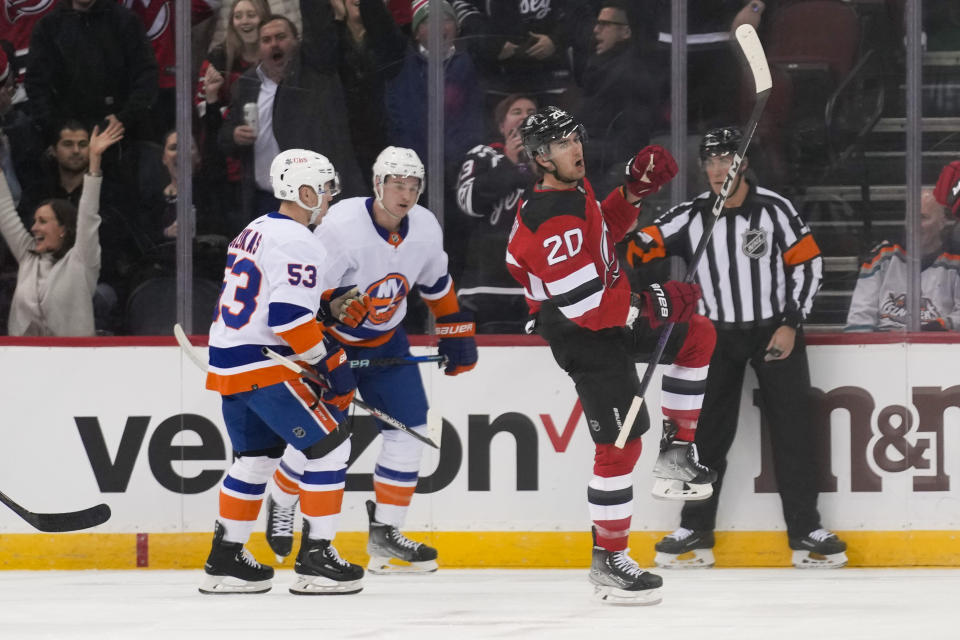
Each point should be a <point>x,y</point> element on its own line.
<point>696,559</point>
<point>614,596</point>
<point>320,586</point>
<point>670,489</point>
<point>386,565</point>
<point>810,560</point>
<point>222,585</point>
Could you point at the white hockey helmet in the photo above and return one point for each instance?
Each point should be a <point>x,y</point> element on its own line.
<point>397,161</point>
<point>294,168</point>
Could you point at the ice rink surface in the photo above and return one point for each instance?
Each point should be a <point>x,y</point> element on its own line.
<point>716,604</point>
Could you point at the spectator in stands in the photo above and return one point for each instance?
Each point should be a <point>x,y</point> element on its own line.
<point>290,9</point>
<point>371,52</point>
<point>237,51</point>
<point>22,146</point>
<point>492,179</point>
<point>947,193</point>
<point>64,166</point>
<point>532,57</point>
<point>292,99</point>
<point>159,21</point>
<point>618,99</point>
<point>407,93</point>
<point>879,300</point>
<point>8,87</point>
<point>59,256</point>
<point>90,61</point>
<point>228,59</point>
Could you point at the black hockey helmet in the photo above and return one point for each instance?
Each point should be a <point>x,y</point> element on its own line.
<point>545,126</point>
<point>720,142</point>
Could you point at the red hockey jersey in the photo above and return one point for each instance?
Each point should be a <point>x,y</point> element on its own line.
<point>561,249</point>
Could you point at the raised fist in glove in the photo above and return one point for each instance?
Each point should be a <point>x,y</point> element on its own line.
<point>335,370</point>
<point>456,331</point>
<point>649,170</point>
<point>345,305</point>
<point>671,301</point>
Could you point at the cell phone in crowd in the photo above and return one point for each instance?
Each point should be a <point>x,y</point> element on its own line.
<point>251,115</point>
<point>772,354</point>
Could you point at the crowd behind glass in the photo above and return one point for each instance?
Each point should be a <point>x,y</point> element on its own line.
<point>89,147</point>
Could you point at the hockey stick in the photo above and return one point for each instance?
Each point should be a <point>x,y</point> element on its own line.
<point>757,60</point>
<point>310,375</point>
<point>57,522</point>
<point>192,353</point>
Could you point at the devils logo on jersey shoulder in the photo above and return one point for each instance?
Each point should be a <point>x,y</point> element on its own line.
<point>13,10</point>
<point>754,243</point>
<point>387,294</point>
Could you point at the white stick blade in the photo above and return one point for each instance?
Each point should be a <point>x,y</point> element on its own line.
<point>188,349</point>
<point>753,50</point>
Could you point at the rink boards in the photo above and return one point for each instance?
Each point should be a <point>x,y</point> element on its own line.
<point>132,426</point>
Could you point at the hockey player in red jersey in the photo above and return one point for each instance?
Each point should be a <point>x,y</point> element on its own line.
<point>561,250</point>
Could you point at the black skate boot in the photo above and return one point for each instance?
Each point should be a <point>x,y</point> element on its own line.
<point>321,571</point>
<point>819,549</point>
<point>230,568</point>
<point>618,580</point>
<point>678,472</point>
<point>280,527</point>
<point>685,549</point>
<point>392,552</point>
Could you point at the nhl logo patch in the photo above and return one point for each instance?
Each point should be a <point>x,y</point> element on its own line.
<point>754,243</point>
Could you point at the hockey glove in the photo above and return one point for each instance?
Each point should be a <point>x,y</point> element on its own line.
<point>456,342</point>
<point>671,301</point>
<point>652,168</point>
<point>345,305</point>
<point>335,370</point>
<point>947,191</point>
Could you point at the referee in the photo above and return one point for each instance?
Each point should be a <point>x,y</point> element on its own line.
<point>759,275</point>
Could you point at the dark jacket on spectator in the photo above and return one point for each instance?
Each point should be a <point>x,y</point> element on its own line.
<point>463,104</point>
<point>515,20</point>
<point>364,72</point>
<point>89,64</point>
<point>309,110</point>
<point>618,107</point>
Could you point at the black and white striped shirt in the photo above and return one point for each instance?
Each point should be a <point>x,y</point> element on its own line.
<point>761,262</point>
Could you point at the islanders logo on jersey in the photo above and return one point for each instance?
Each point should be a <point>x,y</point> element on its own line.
<point>387,294</point>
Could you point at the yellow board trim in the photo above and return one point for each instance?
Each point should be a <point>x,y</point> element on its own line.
<point>467,549</point>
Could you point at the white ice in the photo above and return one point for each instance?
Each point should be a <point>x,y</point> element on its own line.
<point>716,604</point>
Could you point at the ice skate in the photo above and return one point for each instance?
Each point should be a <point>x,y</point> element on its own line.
<point>392,552</point>
<point>280,528</point>
<point>230,568</point>
<point>685,549</point>
<point>819,549</point>
<point>678,473</point>
<point>320,571</point>
<point>617,579</point>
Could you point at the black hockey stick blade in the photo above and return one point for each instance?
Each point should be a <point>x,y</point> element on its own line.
<point>59,522</point>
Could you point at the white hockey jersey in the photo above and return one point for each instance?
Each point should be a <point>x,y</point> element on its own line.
<point>276,272</point>
<point>879,300</point>
<point>386,265</point>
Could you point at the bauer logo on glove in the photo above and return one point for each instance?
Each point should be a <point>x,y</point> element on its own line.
<point>456,342</point>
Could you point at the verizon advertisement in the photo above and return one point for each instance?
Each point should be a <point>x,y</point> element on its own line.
<point>135,428</point>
